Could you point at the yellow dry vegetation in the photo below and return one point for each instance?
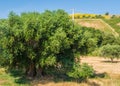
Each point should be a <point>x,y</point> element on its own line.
<point>81,16</point>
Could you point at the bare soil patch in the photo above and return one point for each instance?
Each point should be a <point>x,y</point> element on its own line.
<point>118,24</point>
<point>102,65</point>
<point>2,81</point>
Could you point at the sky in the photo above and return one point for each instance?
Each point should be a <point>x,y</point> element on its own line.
<point>80,6</point>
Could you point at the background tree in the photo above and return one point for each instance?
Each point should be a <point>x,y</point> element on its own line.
<point>90,40</point>
<point>111,51</point>
<point>107,13</point>
<point>108,38</point>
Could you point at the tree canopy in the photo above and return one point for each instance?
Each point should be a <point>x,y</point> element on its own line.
<point>37,42</point>
<point>111,51</point>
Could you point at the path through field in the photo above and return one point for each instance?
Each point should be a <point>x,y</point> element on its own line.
<point>113,30</point>
<point>102,65</point>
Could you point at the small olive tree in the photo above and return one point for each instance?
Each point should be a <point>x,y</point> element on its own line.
<point>111,51</point>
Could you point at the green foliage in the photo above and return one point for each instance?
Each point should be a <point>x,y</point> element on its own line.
<point>81,71</point>
<point>13,78</point>
<point>111,51</point>
<point>3,29</point>
<point>90,40</point>
<point>108,39</point>
<point>107,13</point>
<point>37,42</point>
<point>117,41</point>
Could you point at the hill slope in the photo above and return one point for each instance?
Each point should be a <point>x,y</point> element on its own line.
<point>115,23</point>
<point>97,24</point>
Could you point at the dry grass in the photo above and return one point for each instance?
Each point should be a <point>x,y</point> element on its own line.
<point>118,24</point>
<point>61,84</point>
<point>46,82</point>
<point>108,74</point>
<point>102,65</point>
<point>97,24</point>
<point>91,82</point>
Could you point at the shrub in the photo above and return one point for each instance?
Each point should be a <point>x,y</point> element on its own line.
<point>81,71</point>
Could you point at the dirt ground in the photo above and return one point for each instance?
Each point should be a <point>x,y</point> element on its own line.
<point>102,65</point>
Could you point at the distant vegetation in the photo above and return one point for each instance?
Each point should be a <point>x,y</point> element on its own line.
<point>90,16</point>
<point>112,20</point>
<point>111,51</point>
<point>94,16</point>
<point>110,25</point>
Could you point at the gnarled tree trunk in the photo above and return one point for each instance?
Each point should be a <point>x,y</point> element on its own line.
<point>39,72</point>
<point>111,60</point>
<point>31,70</point>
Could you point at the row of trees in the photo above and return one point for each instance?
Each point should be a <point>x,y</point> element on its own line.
<point>94,16</point>
<point>42,43</point>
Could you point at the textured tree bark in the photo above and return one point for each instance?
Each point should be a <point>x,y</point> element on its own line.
<point>111,60</point>
<point>39,72</point>
<point>31,70</point>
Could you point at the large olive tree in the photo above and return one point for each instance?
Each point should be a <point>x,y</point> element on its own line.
<point>36,41</point>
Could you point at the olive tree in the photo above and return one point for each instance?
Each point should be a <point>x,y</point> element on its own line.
<point>35,41</point>
<point>111,51</point>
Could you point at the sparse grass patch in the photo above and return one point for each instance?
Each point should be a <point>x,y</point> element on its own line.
<point>6,79</point>
<point>12,78</point>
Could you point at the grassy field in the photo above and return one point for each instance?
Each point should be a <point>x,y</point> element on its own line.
<point>105,76</point>
<point>97,24</point>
